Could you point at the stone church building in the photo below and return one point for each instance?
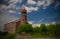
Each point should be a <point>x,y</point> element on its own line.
<point>12,27</point>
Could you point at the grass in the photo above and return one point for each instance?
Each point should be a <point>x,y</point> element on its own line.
<point>38,35</point>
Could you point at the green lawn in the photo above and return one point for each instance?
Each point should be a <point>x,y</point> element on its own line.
<point>37,35</point>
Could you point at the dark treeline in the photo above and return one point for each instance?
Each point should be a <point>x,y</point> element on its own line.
<point>3,35</point>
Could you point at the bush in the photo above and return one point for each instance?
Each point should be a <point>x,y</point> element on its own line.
<point>11,36</point>
<point>3,35</point>
<point>54,29</point>
<point>43,29</point>
<point>25,28</point>
<point>49,30</point>
<point>36,30</point>
<point>57,29</point>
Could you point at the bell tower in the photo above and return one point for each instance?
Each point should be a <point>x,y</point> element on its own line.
<point>23,19</point>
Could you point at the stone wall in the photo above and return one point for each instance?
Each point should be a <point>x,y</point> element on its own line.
<point>10,27</point>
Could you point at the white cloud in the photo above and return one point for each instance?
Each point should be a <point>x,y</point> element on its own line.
<point>30,9</point>
<point>15,1</point>
<point>53,23</point>
<point>12,11</point>
<point>30,22</point>
<point>46,24</point>
<point>49,2</point>
<point>57,4</point>
<point>39,3</point>
<point>44,3</point>
<point>31,2</point>
<point>12,5</point>
<point>35,25</point>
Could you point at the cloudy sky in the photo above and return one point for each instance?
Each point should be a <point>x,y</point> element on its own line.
<point>38,11</point>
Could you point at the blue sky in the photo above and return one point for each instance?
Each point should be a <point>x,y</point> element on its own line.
<point>38,11</point>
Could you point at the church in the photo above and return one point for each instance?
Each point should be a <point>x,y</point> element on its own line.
<point>12,27</point>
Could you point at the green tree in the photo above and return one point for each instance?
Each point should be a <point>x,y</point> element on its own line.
<point>54,29</point>
<point>57,28</point>
<point>51,28</point>
<point>25,28</point>
<point>36,29</point>
<point>43,29</point>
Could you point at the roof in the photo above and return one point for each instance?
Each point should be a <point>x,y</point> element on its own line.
<point>16,20</point>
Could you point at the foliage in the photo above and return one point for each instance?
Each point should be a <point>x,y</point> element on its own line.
<point>54,29</point>
<point>43,29</point>
<point>57,28</point>
<point>11,36</point>
<point>50,30</point>
<point>3,35</point>
<point>36,29</point>
<point>25,28</point>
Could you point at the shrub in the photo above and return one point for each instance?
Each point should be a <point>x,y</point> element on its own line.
<point>11,36</point>
<point>36,30</point>
<point>43,29</point>
<point>54,29</point>
<point>25,28</point>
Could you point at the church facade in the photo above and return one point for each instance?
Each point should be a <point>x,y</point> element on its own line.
<point>12,27</point>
